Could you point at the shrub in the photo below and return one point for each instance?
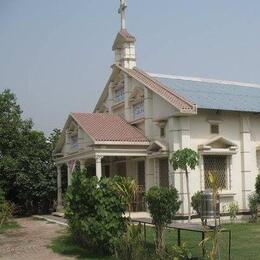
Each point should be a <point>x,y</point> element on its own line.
<point>253,204</point>
<point>94,211</point>
<point>180,252</point>
<point>163,203</point>
<point>5,209</point>
<point>130,245</point>
<point>233,210</point>
<point>196,203</point>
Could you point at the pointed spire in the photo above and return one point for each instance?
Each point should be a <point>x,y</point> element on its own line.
<point>124,44</point>
<point>121,11</point>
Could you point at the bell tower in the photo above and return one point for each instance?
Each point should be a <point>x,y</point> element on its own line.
<point>124,44</point>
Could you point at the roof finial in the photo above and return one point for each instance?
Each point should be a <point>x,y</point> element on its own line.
<point>121,11</point>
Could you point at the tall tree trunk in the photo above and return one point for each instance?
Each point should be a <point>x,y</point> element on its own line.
<point>159,230</point>
<point>188,195</point>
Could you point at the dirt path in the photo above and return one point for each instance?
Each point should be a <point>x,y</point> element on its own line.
<point>30,241</point>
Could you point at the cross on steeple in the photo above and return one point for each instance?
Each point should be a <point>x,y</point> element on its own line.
<point>121,11</point>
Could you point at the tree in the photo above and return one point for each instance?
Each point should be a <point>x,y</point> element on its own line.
<point>27,171</point>
<point>185,159</point>
<point>163,203</point>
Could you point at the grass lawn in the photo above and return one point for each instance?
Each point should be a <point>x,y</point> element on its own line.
<point>10,225</point>
<point>245,243</point>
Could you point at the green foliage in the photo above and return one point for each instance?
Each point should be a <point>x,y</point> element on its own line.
<point>184,159</point>
<point>127,189</point>
<point>180,252</point>
<point>130,246</point>
<point>163,203</point>
<point>257,185</point>
<point>5,210</point>
<point>94,211</point>
<point>196,203</point>
<point>27,171</point>
<point>233,210</point>
<point>253,206</point>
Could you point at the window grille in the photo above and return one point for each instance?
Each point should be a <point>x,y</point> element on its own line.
<point>217,165</point>
<point>138,110</point>
<point>119,95</point>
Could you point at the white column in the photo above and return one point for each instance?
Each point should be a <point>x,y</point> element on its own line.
<point>59,188</point>
<point>128,92</point>
<point>69,173</point>
<point>82,165</point>
<point>246,162</point>
<point>149,174</point>
<point>148,111</point>
<point>98,166</point>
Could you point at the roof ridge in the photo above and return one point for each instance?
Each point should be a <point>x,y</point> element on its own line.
<point>206,80</point>
<point>164,86</point>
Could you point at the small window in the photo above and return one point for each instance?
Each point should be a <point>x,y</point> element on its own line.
<point>214,129</point>
<point>74,141</point>
<point>138,110</point>
<point>119,95</point>
<point>162,131</point>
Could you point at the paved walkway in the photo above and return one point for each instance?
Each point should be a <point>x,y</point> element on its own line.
<point>31,241</point>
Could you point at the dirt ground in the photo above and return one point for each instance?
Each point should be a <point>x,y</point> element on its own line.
<point>30,241</point>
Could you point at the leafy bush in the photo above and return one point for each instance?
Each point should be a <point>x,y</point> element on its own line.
<point>130,246</point>
<point>196,203</point>
<point>253,204</point>
<point>233,210</point>
<point>180,252</point>
<point>163,203</point>
<point>94,211</point>
<point>5,209</point>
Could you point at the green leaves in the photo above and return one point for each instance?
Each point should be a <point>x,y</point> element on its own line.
<point>95,211</point>
<point>163,203</point>
<point>27,171</point>
<point>184,159</point>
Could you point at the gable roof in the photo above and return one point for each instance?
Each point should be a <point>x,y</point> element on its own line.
<point>161,89</point>
<point>214,94</point>
<point>103,127</point>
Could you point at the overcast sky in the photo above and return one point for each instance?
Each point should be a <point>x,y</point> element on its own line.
<point>55,55</point>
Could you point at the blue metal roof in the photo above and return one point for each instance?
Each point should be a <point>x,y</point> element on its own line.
<point>215,95</point>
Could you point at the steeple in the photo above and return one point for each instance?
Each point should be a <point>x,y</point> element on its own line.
<point>124,44</point>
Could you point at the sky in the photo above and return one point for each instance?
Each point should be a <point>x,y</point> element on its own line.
<point>55,55</point>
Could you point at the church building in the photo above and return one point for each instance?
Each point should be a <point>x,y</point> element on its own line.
<point>141,118</point>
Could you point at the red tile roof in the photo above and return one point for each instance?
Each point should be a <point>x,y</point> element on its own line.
<point>108,127</point>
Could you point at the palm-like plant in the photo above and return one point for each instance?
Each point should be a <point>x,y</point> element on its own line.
<point>213,236</point>
<point>127,188</point>
<point>185,159</point>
